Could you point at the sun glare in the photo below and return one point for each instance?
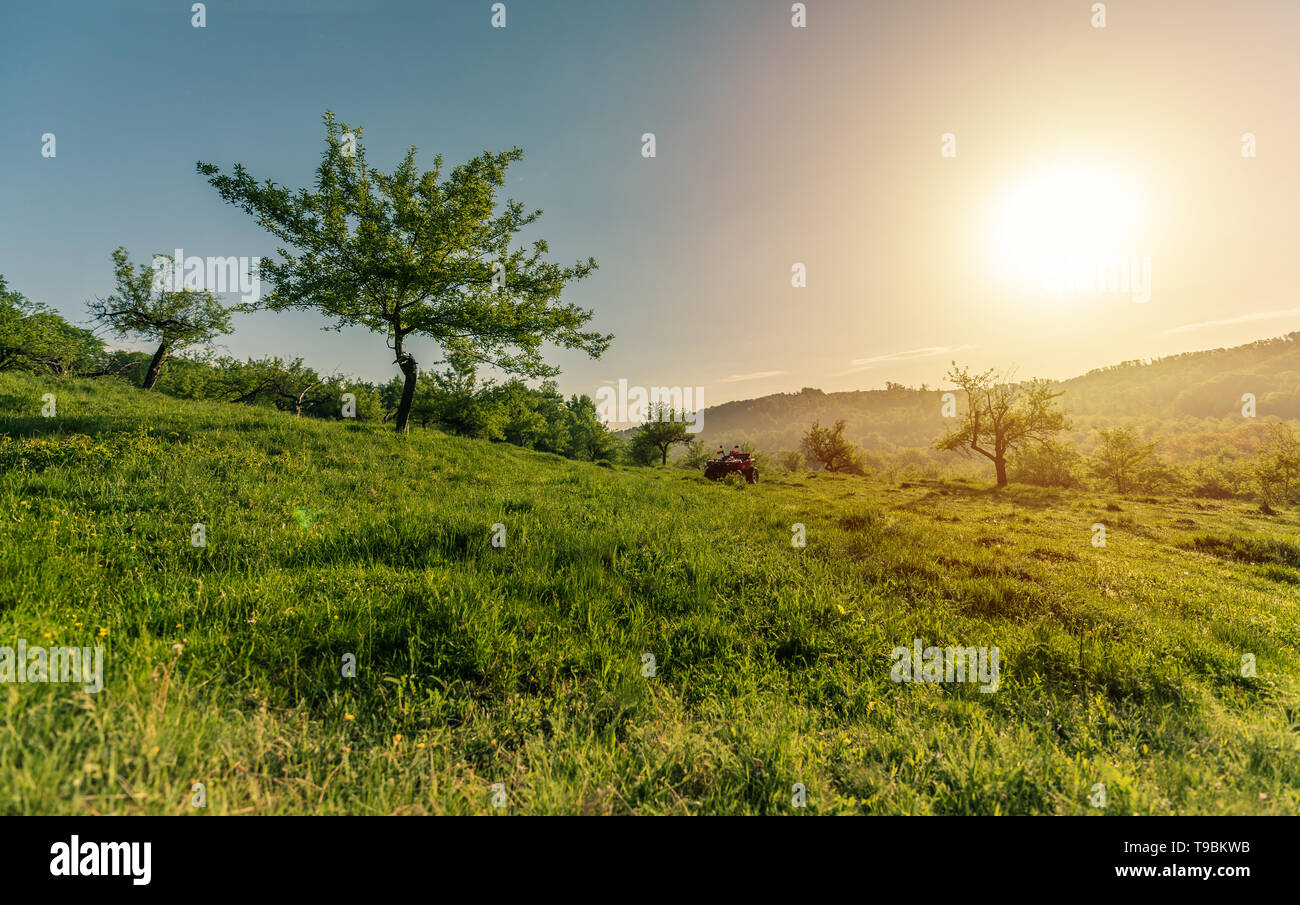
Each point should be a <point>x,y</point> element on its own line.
<point>1061,222</point>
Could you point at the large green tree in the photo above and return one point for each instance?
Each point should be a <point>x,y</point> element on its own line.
<point>146,306</point>
<point>415,254</point>
<point>1001,416</point>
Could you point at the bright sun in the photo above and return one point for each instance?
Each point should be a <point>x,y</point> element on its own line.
<point>1061,222</point>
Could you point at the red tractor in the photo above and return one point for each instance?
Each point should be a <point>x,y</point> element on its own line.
<point>735,462</point>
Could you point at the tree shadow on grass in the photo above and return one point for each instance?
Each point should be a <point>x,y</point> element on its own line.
<point>172,429</point>
<point>1018,495</point>
<point>413,544</point>
<point>99,425</point>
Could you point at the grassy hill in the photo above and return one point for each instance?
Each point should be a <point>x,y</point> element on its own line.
<point>523,665</point>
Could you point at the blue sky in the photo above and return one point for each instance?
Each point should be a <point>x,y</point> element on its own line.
<point>135,96</point>
<point>775,145</point>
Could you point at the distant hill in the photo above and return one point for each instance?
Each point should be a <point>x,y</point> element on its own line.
<point>1192,401</point>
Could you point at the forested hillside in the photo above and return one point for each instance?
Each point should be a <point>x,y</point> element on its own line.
<point>1192,402</point>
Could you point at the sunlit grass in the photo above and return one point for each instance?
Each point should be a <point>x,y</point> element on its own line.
<point>523,665</point>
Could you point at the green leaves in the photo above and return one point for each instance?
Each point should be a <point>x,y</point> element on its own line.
<point>662,429</point>
<point>1121,457</point>
<point>828,446</point>
<point>149,309</point>
<point>35,337</point>
<point>410,253</point>
<point>1001,416</point>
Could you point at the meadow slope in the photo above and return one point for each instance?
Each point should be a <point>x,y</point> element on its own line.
<point>522,665</point>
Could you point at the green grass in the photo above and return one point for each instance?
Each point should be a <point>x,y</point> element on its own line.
<point>523,665</point>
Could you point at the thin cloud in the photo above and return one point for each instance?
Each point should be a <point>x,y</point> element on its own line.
<point>757,375</point>
<point>1240,319</point>
<point>909,355</point>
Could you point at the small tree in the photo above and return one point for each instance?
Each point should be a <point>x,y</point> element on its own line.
<point>662,428</point>
<point>1001,417</point>
<point>1047,464</point>
<point>35,337</point>
<point>696,456</point>
<point>412,254</point>
<point>285,384</point>
<point>455,400</point>
<point>589,438</point>
<point>828,446</point>
<point>145,307</point>
<point>791,461</point>
<point>1278,463</point>
<point>1122,457</point>
<point>522,423</point>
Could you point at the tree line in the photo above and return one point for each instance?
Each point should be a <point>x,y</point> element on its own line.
<point>36,339</point>
<point>407,254</point>
<point>1014,427</point>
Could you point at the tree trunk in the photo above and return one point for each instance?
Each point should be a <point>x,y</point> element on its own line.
<point>155,366</point>
<point>664,461</point>
<point>410,371</point>
<point>1000,463</point>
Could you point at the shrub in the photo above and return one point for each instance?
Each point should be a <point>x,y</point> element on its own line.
<point>790,460</point>
<point>1050,464</point>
